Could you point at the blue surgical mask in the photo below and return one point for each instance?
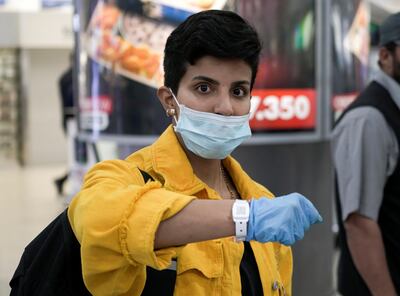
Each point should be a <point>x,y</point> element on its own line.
<point>210,135</point>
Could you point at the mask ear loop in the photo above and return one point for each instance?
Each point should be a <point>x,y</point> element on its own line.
<point>177,103</point>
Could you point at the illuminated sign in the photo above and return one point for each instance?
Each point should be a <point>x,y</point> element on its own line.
<point>279,109</point>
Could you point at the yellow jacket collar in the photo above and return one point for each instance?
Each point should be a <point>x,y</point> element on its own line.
<point>169,160</point>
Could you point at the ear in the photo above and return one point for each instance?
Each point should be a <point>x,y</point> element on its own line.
<point>165,97</point>
<point>385,58</point>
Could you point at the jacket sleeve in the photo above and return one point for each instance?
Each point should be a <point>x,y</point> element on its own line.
<point>115,217</point>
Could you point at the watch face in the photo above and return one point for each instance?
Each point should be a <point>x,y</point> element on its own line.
<point>241,210</point>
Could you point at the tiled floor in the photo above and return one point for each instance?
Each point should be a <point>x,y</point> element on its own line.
<point>28,203</point>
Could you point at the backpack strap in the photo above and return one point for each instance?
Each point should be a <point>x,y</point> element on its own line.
<point>158,282</point>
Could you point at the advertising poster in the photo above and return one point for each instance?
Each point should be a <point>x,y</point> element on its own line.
<point>284,95</point>
<point>123,42</point>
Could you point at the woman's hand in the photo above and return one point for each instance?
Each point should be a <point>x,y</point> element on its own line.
<point>283,219</point>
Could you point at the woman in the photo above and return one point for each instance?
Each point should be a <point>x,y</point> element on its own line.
<point>200,197</point>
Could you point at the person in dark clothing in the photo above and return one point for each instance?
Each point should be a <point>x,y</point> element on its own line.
<point>66,89</point>
<point>67,96</point>
<point>365,145</point>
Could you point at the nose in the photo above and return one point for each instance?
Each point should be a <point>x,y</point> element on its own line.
<point>224,106</point>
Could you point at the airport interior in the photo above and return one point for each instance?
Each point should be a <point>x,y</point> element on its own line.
<point>317,57</point>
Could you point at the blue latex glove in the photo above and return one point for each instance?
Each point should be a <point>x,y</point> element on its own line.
<point>283,219</point>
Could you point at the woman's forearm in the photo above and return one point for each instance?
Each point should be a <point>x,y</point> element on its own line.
<point>200,220</point>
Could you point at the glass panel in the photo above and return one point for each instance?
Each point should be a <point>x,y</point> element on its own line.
<point>284,98</point>
<point>350,51</point>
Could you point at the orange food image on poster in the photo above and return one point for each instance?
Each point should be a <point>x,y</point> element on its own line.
<point>110,48</point>
<point>201,3</point>
<point>107,17</point>
<point>135,55</point>
<point>151,66</point>
<point>138,60</point>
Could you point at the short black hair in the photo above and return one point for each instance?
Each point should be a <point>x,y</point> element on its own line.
<point>217,33</point>
<point>391,46</point>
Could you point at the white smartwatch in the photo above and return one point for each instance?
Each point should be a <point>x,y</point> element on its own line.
<point>240,215</point>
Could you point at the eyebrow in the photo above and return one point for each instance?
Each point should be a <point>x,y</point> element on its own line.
<point>210,80</point>
<point>205,78</point>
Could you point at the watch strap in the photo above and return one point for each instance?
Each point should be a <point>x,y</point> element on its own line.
<point>240,215</point>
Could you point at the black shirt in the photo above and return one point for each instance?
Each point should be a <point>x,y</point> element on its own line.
<point>249,274</point>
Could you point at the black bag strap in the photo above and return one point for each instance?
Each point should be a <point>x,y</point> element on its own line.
<point>158,282</point>
<point>146,176</point>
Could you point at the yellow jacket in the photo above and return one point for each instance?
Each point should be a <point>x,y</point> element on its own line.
<point>115,217</point>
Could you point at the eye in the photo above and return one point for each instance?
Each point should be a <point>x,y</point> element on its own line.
<point>239,92</point>
<point>203,88</point>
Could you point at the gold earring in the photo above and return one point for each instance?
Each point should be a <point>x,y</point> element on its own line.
<point>170,112</point>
